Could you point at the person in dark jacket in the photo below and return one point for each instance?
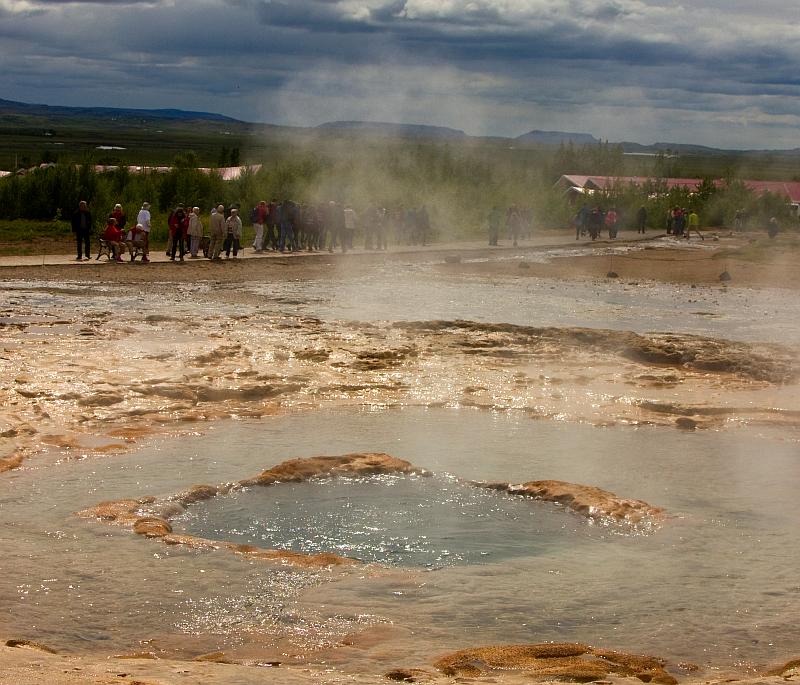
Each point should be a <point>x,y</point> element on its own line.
<point>641,219</point>
<point>178,230</point>
<point>595,223</point>
<point>82,228</point>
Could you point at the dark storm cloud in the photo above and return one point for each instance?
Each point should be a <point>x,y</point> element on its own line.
<point>500,66</point>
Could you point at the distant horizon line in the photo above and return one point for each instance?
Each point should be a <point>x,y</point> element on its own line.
<point>565,136</point>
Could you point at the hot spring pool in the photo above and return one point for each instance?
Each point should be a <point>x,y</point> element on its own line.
<point>404,521</point>
<point>717,584</point>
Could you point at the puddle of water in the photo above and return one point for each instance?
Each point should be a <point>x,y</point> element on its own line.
<point>412,292</point>
<point>400,521</point>
<point>717,584</point>
<point>402,292</point>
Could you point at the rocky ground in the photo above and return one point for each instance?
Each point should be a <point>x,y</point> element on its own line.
<point>80,376</point>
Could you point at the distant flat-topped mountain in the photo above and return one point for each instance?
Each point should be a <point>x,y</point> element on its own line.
<point>557,138</point>
<point>22,108</point>
<point>403,130</point>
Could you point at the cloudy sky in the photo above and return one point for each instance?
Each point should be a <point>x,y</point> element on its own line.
<point>716,72</point>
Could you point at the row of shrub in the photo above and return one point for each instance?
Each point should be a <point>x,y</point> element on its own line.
<point>459,184</point>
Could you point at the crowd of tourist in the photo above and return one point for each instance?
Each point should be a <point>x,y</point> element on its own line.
<point>277,226</point>
<point>593,221</point>
<point>518,223</point>
<point>680,222</point>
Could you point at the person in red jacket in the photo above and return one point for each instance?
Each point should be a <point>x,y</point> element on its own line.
<point>178,230</point>
<point>113,236</point>
<point>119,215</point>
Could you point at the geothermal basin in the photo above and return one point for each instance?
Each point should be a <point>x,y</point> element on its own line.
<point>683,397</point>
<point>460,563</point>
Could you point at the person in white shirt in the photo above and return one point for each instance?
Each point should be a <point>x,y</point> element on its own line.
<point>233,226</point>
<point>195,231</point>
<point>143,218</point>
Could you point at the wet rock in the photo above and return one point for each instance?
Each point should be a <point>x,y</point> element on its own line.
<point>190,541</point>
<point>586,500</point>
<point>122,512</point>
<point>685,423</point>
<point>410,675</point>
<point>683,410</point>
<point>160,318</point>
<point>356,464</point>
<point>10,463</point>
<point>787,670</point>
<point>197,493</point>
<point>612,274</point>
<point>687,667</point>
<point>166,510</point>
<point>313,355</point>
<point>214,658</point>
<point>30,644</point>
<point>101,399</point>
<point>725,276</point>
<point>297,559</point>
<point>771,363</point>
<point>152,527</point>
<point>245,393</point>
<point>373,360</point>
<point>561,661</point>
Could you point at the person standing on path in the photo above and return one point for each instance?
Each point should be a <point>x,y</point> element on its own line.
<point>581,221</point>
<point>143,218</point>
<point>260,216</point>
<point>195,231</point>
<point>82,228</point>
<point>641,219</point>
<point>233,227</point>
<point>178,227</point>
<point>495,217</point>
<point>217,232</point>
<point>693,224</point>
<point>611,223</point>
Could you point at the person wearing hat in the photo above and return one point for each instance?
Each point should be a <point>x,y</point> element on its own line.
<point>143,219</point>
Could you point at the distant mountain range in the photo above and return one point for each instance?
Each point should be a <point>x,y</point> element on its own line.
<point>12,111</point>
<point>557,138</point>
<point>22,108</point>
<point>402,130</point>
